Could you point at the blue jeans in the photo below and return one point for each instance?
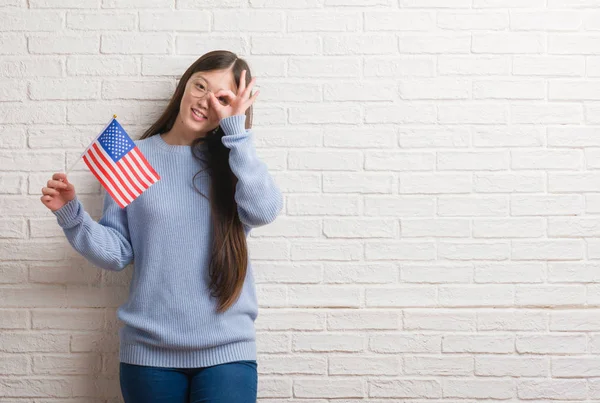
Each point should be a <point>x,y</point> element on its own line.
<point>232,382</point>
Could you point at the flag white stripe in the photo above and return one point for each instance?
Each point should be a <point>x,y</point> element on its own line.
<point>150,174</point>
<point>134,178</point>
<point>112,175</point>
<point>99,173</point>
<point>137,169</point>
<point>117,169</point>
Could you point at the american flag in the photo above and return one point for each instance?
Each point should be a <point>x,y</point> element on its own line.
<point>118,164</point>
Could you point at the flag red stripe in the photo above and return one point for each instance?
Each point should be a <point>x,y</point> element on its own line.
<point>146,174</point>
<point>107,176</point>
<point>128,177</point>
<point>146,163</point>
<point>102,182</point>
<point>127,174</point>
<point>110,165</point>
<point>134,172</point>
<point>124,178</point>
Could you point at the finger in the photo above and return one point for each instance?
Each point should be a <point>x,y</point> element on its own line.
<point>214,102</point>
<point>46,199</point>
<point>248,90</point>
<point>226,93</point>
<point>50,192</point>
<point>60,177</point>
<point>252,98</point>
<point>57,184</point>
<point>242,85</point>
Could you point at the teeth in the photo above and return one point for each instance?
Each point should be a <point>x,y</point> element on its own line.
<point>198,114</point>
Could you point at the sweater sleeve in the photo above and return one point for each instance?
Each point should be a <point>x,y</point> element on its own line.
<point>258,197</point>
<point>105,243</point>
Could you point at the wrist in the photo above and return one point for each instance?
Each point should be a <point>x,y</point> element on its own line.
<point>233,124</point>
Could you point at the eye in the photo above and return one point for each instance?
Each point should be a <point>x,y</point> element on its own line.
<point>200,86</point>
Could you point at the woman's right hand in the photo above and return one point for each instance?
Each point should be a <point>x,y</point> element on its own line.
<point>58,192</point>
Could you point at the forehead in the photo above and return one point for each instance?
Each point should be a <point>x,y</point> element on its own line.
<point>217,79</point>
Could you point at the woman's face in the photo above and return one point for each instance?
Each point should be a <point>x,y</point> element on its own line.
<point>195,112</point>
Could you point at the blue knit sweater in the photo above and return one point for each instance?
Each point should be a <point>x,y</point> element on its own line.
<point>170,319</point>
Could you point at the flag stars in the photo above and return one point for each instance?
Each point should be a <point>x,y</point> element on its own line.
<point>116,142</point>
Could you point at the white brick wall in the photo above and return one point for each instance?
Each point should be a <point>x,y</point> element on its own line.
<point>440,161</point>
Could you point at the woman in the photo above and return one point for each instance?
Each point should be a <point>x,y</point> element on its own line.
<point>188,333</point>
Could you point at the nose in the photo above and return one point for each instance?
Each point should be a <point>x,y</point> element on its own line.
<point>203,102</point>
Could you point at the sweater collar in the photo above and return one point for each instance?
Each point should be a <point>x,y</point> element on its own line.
<point>160,142</point>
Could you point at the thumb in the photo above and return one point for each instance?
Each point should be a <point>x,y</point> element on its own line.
<point>61,177</point>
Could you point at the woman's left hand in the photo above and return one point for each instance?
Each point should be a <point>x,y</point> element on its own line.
<point>237,104</point>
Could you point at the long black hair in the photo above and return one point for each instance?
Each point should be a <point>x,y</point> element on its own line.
<point>229,256</point>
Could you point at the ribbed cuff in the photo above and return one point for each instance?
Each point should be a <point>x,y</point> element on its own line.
<point>67,215</point>
<point>233,124</point>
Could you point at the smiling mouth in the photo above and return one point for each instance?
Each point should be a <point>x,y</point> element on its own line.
<point>198,113</point>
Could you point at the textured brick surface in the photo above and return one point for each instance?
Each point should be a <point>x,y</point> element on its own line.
<point>440,162</point>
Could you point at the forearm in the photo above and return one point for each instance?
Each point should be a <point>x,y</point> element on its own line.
<point>102,245</point>
<point>257,195</point>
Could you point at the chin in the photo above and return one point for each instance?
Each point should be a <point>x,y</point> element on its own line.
<point>200,127</point>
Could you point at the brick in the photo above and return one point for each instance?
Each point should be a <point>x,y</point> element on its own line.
<point>563,389</point>
<point>439,319</point>
<point>480,20</point>
<point>314,21</point>
<point>527,366</point>
<point>551,295</point>
<point>509,42</point>
<point>479,389</point>
<point>437,227</point>
<point>375,365</point>
<point>399,21</point>
<point>473,250</point>
<point>399,161</point>
<point>480,295</point>
<point>136,43</point>
<point>473,343</point>
<point>435,183</point>
<point>394,66</point>
<point>362,320</point>
<point>437,366</point>
<point>180,20</point>
<point>563,249</point>
<point>542,65</point>
<point>359,273</point>
<point>401,388</point>
<point>448,43</point>
<point>286,364</point>
<point>511,136</point>
<point>452,206</point>
<point>100,21</point>
<point>509,272</point>
<point>353,44</point>
<point>401,296</point>
<point>436,273</point>
<point>481,160</point>
<point>359,228</point>
<point>509,228</point>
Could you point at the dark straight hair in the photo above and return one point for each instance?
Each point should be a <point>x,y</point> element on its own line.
<point>229,255</point>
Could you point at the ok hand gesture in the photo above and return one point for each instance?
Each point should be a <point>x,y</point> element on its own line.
<point>237,103</point>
